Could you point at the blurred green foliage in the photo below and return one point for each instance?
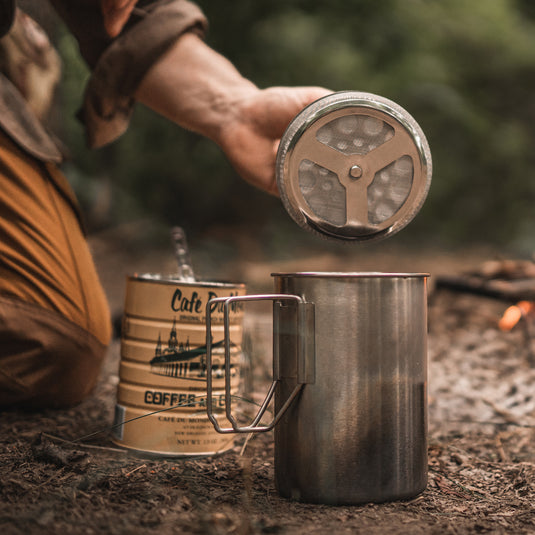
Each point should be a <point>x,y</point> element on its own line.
<point>464,70</point>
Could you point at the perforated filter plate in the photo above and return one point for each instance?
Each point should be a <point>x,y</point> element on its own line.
<point>353,166</point>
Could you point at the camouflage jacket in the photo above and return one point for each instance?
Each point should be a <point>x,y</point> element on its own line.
<point>119,45</point>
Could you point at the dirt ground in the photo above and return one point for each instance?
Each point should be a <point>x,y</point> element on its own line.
<point>481,438</point>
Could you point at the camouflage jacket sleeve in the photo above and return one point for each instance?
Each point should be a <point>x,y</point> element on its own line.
<point>118,64</point>
<point>29,72</point>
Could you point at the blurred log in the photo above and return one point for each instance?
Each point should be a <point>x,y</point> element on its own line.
<point>506,269</point>
<point>507,290</point>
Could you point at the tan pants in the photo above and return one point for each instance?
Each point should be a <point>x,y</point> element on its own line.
<point>54,318</point>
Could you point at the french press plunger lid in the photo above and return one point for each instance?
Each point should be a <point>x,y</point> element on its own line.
<point>353,166</point>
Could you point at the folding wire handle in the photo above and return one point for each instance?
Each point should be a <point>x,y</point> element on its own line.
<point>305,359</point>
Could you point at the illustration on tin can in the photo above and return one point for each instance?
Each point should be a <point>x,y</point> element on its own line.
<point>174,360</point>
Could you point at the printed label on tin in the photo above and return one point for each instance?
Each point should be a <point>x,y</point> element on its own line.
<point>139,373</point>
<point>193,434</point>
<point>141,329</point>
<point>164,371</point>
<point>191,371</point>
<point>180,360</point>
<point>185,302</point>
<point>154,398</point>
<point>191,306</point>
<point>172,433</point>
<point>175,361</point>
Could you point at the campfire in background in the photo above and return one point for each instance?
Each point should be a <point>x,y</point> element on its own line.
<point>509,280</point>
<point>511,317</point>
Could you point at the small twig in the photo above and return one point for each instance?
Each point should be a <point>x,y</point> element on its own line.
<point>246,443</point>
<point>81,445</point>
<point>508,416</point>
<point>446,485</point>
<point>499,446</point>
<point>135,470</point>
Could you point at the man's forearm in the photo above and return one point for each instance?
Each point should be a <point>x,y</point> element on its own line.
<point>195,87</point>
<point>199,89</point>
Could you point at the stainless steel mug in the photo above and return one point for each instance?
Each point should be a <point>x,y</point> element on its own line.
<point>350,384</point>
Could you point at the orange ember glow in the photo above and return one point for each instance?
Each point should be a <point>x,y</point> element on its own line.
<point>515,313</point>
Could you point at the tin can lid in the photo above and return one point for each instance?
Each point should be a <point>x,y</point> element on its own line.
<point>353,166</point>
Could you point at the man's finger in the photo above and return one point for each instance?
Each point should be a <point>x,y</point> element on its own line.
<point>116,13</point>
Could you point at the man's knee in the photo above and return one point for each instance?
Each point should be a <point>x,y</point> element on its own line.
<point>45,360</point>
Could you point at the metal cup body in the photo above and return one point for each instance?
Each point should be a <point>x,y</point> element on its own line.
<point>358,433</point>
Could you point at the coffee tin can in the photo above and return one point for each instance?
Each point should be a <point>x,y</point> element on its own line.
<point>161,396</point>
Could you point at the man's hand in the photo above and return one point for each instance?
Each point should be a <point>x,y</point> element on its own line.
<point>202,91</point>
<point>251,137</point>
